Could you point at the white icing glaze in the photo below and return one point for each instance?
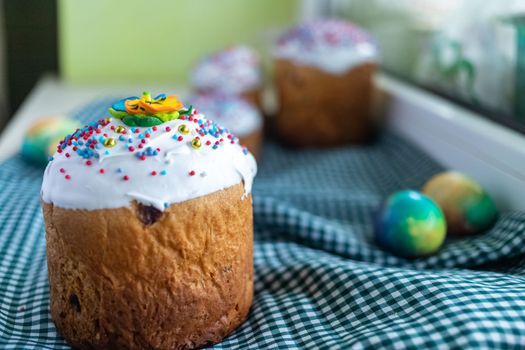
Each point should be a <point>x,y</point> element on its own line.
<point>232,71</point>
<point>332,45</point>
<point>237,115</point>
<point>215,169</point>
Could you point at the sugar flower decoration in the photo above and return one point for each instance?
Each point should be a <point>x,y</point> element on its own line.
<point>147,111</point>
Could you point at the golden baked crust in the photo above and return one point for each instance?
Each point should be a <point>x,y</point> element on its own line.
<point>181,282</point>
<point>321,109</point>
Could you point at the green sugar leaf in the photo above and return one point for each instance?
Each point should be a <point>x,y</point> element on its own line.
<point>117,114</point>
<point>137,120</point>
<point>186,112</point>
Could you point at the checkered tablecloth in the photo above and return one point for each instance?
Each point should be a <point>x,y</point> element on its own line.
<point>320,281</point>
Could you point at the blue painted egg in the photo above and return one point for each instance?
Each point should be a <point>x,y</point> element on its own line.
<point>410,224</point>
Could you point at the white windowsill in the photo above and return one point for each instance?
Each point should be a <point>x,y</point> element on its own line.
<point>459,139</point>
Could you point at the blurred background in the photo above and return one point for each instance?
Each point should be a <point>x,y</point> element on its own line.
<point>470,51</point>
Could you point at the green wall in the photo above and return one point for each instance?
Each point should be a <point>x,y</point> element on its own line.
<point>158,40</point>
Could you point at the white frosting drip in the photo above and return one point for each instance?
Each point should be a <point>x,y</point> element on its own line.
<point>331,45</point>
<point>232,71</point>
<point>238,116</point>
<point>87,188</point>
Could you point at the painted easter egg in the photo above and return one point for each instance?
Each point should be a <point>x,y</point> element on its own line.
<point>468,208</point>
<point>43,136</point>
<point>410,224</point>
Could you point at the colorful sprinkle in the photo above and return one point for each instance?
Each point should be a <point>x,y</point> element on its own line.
<point>120,129</point>
<point>192,173</point>
<point>183,129</point>
<point>110,142</point>
<point>196,143</point>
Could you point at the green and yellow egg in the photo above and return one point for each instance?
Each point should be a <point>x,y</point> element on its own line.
<point>410,224</point>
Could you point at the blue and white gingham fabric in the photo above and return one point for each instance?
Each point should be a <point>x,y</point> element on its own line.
<point>320,281</point>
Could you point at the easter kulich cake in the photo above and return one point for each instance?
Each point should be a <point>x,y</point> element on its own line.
<point>237,115</point>
<point>323,75</point>
<point>234,71</point>
<point>149,229</point>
